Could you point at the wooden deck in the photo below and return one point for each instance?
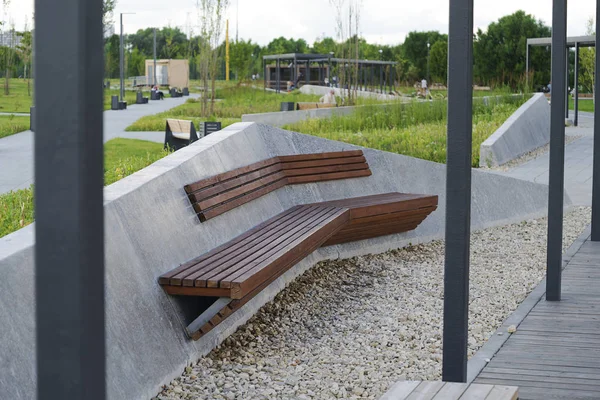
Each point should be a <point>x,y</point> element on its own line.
<point>555,353</point>
<point>417,390</point>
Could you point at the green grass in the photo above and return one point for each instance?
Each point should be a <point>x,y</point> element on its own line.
<point>233,102</point>
<point>122,157</point>
<point>584,105</point>
<point>17,101</point>
<point>11,124</point>
<point>414,129</point>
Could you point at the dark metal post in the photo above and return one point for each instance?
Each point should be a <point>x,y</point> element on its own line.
<point>596,165</point>
<point>458,191</point>
<point>307,73</point>
<point>69,213</point>
<point>567,85</point>
<point>557,151</point>
<point>154,70</point>
<point>527,67</point>
<point>122,72</point>
<point>380,78</point>
<point>576,86</point>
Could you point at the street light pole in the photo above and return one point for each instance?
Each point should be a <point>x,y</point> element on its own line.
<point>428,80</point>
<point>121,59</point>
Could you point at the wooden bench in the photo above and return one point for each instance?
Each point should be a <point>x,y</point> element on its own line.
<point>238,270</point>
<point>436,390</point>
<point>311,105</point>
<point>179,133</point>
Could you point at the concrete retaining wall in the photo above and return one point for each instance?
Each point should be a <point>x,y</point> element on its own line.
<point>281,118</point>
<point>151,228</point>
<point>526,130</point>
<point>322,90</point>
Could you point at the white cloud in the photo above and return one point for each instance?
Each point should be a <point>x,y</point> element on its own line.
<point>382,21</point>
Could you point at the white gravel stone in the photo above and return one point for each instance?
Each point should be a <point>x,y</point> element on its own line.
<point>350,328</point>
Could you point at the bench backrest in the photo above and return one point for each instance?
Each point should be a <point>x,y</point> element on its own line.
<point>218,194</point>
<point>179,125</point>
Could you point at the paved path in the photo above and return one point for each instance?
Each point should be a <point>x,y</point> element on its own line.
<point>16,151</point>
<point>16,114</point>
<point>578,164</point>
<point>555,352</point>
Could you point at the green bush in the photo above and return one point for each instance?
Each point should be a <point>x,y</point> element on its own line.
<point>11,124</point>
<point>16,210</point>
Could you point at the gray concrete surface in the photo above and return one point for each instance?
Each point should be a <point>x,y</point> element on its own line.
<point>281,118</point>
<point>526,130</point>
<point>150,228</point>
<point>578,164</point>
<point>321,90</point>
<point>15,114</point>
<point>16,151</point>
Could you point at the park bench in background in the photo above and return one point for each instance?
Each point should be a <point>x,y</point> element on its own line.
<point>175,92</point>
<point>311,105</point>
<point>179,133</point>
<point>140,99</point>
<point>238,270</point>
<point>186,91</point>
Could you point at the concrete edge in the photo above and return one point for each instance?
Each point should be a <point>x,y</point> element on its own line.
<point>478,362</point>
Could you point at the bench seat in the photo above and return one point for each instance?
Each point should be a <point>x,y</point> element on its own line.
<point>238,270</point>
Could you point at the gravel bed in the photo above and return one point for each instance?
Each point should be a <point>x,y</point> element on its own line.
<point>531,155</point>
<point>350,328</point>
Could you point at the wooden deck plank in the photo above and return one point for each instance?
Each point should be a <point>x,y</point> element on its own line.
<point>400,390</point>
<point>503,393</point>
<point>477,392</point>
<point>451,391</point>
<point>555,353</point>
<point>426,391</point>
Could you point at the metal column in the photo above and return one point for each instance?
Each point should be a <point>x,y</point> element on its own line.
<point>121,63</point>
<point>69,212</point>
<point>527,67</point>
<point>557,151</point>
<point>154,51</point>
<point>380,78</point>
<point>458,191</point>
<point>567,86</point>
<point>596,166</point>
<point>576,86</point>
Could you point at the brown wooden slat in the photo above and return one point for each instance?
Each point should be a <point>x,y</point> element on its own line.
<point>233,183</point>
<point>244,283</point>
<point>193,291</point>
<point>367,234</point>
<point>234,248</point>
<point>328,177</point>
<point>192,187</point>
<point>218,210</point>
<point>328,169</point>
<point>212,277</point>
<point>165,278</point>
<point>398,215</point>
<point>215,277</point>
<point>320,156</point>
<point>323,162</point>
<point>240,191</point>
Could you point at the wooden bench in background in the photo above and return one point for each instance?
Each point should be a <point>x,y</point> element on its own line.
<point>238,270</point>
<point>179,133</point>
<point>311,105</point>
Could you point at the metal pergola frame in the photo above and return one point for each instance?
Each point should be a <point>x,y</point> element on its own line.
<point>69,250</point>
<point>366,69</point>
<point>576,42</point>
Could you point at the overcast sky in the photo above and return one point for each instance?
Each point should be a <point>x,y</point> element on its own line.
<point>382,21</point>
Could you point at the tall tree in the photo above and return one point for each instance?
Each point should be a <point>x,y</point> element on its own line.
<point>416,52</point>
<point>241,58</point>
<point>25,50</point>
<point>108,8</point>
<point>500,52</point>
<point>587,60</point>
<point>438,61</point>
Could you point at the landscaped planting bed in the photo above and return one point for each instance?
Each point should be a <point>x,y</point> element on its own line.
<point>415,129</point>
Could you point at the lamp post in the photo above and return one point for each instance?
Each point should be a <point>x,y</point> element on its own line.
<point>428,46</point>
<point>121,61</point>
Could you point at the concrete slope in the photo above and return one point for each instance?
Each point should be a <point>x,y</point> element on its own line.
<point>151,228</point>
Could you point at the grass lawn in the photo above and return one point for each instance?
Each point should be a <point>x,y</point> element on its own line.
<point>234,101</point>
<point>415,129</point>
<point>11,124</point>
<point>584,105</point>
<point>122,157</point>
<point>17,100</point>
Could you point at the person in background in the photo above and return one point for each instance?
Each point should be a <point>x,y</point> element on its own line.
<point>550,87</point>
<point>160,94</point>
<point>328,98</point>
<point>424,87</point>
